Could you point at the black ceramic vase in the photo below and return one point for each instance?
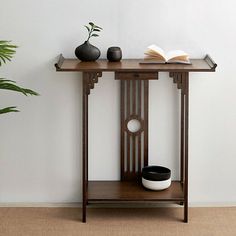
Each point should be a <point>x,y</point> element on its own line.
<point>87,52</point>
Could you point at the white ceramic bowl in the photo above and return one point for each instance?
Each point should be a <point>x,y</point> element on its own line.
<point>156,185</point>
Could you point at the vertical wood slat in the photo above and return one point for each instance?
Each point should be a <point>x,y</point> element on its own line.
<point>127,115</point>
<point>179,80</point>
<point>146,92</point>
<point>139,137</point>
<point>122,117</point>
<point>134,97</point>
<point>134,113</point>
<point>182,131</point>
<point>175,78</point>
<point>85,145</point>
<point>133,155</point>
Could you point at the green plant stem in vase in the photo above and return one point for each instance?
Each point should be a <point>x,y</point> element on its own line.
<point>92,28</point>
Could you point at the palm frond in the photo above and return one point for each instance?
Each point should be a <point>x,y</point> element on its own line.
<point>7,50</point>
<point>2,80</point>
<point>10,85</point>
<point>30,92</point>
<point>8,109</point>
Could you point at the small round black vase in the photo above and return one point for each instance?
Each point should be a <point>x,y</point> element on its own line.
<point>87,52</point>
<point>114,54</point>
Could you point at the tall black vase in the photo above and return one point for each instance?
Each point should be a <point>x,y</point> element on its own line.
<point>87,52</point>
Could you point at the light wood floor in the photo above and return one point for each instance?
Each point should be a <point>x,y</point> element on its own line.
<point>115,221</point>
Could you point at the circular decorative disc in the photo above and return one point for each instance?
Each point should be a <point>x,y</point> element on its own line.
<point>134,125</point>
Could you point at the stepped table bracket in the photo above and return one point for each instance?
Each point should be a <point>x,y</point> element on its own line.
<point>134,98</point>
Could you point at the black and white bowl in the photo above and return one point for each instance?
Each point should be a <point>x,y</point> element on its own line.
<point>156,177</point>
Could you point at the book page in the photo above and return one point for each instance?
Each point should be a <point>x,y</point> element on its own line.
<point>154,57</point>
<point>154,50</point>
<point>177,54</point>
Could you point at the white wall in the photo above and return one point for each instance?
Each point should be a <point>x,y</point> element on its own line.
<point>40,147</point>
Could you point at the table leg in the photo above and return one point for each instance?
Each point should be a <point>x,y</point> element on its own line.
<point>186,91</point>
<point>182,138</point>
<point>85,144</point>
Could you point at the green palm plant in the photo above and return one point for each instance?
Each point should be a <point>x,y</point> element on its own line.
<point>7,51</point>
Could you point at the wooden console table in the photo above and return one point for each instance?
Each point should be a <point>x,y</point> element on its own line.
<point>134,85</point>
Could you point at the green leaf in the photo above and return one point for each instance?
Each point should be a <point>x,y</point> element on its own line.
<point>11,46</point>
<point>98,30</point>
<point>92,24</point>
<point>3,41</point>
<point>10,85</point>
<point>98,27</point>
<point>30,92</point>
<point>3,59</point>
<point>6,51</point>
<point>6,80</point>
<point>94,35</point>
<point>8,109</point>
<point>87,28</point>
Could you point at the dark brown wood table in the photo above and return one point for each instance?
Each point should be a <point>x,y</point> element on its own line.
<point>134,86</point>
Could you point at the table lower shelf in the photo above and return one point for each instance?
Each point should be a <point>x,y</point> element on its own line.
<point>131,191</point>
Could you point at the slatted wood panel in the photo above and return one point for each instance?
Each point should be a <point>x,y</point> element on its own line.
<point>134,145</point>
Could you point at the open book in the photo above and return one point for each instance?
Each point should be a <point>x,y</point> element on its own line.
<point>155,54</point>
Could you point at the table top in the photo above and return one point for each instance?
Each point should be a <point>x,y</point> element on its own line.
<point>130,65</point>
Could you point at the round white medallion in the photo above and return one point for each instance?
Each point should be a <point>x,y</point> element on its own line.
<point>134,125</point>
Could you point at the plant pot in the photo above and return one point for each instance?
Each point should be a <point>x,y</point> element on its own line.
<point>87,52</point>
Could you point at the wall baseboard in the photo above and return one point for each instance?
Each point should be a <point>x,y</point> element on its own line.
<point>212,204</point>
<point>39,204</point>
<point>117,205</point>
